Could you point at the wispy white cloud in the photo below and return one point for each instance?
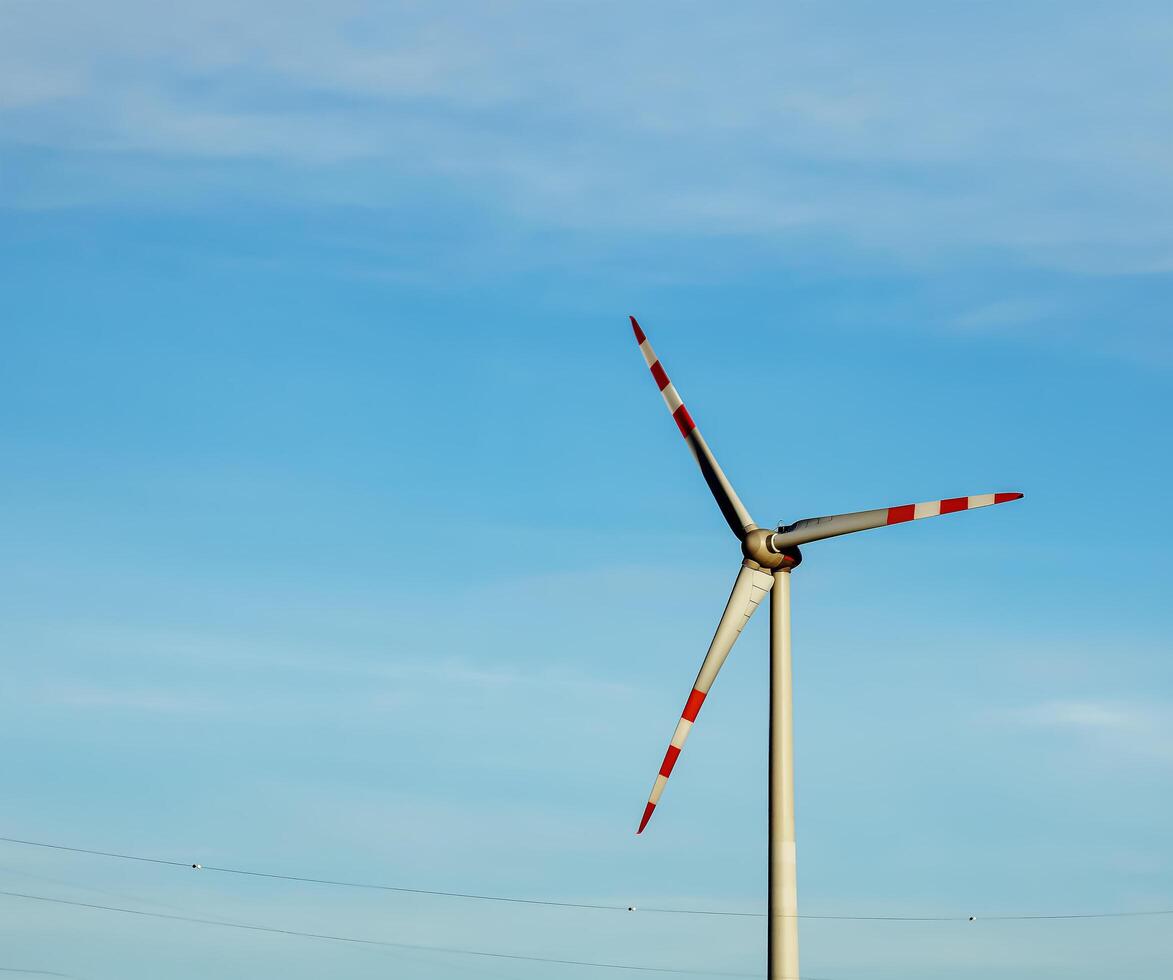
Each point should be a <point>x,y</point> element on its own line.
<point>906,133</point>
<point>1081,714</point>
<point>1009,313</point>
<point>1119,726</point>
<point>441,685</point>
<point>130,699</point>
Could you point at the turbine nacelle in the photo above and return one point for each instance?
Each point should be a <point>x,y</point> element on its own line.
<point>758,546</point>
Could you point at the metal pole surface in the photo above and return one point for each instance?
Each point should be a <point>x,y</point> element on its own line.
<point>782,941</point>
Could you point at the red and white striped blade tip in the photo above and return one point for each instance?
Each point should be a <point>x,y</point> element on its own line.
<point>646,817</point>
<point>950,505</point>
<point>639,334</point>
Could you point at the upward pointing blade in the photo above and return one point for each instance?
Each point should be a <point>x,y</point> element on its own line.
<point>750,587</point>
<point>731,506</point>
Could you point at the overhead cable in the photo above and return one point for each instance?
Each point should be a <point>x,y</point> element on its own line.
<point>377,942</point>
<point>339,883</point>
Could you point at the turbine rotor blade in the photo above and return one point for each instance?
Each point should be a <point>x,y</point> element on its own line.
<point>750,587</point>
<point>731,506</point>
<point>817,528</point>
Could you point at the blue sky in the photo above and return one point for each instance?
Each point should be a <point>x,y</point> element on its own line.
<point>345,535</point>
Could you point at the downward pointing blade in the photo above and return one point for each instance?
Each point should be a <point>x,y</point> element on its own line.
<point>817,528</point>
<point>731,506</point>
<point>750,587</point>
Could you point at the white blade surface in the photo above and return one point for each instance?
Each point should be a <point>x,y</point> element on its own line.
<point>750,587</point>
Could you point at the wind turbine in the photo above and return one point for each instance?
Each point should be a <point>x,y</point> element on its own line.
<point>769,556</point>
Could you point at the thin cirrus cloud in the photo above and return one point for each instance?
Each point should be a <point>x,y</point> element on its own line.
<point>1118,727</point>
<point>942,127</point>
<point>151,700</point>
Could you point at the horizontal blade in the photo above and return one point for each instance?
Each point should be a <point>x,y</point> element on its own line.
<point>817,528</point>
<point>731,506</point>
<point>750,587</point>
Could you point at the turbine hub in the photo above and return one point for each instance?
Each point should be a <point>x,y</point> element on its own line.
<point>756,546</point>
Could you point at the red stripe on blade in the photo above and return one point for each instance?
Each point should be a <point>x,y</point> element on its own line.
<point>659,375</point>
<point>670,758</point>
<point>1001,498</point>
<point>684,421</point>
<point>639,334</point>
<point>954,504</point>
<point>898,515</point>
<point>692,707</point>
<point>647,816</point>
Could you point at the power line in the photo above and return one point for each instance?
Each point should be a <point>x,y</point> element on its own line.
<point>573,905</point>
<point>811,915</point>
<point>1076,915</point>
<point>328,881</point>
<point>39,973</point>
<point>109,854</point>
<point>223,923</point>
